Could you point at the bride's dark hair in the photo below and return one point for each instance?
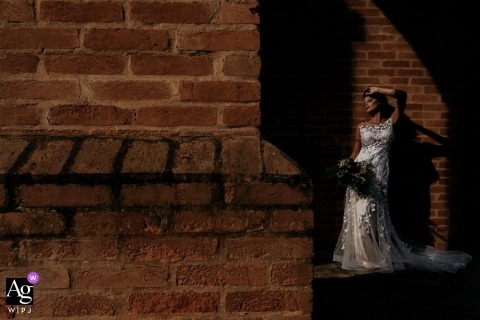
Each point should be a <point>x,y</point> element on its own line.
<point>386,108</point>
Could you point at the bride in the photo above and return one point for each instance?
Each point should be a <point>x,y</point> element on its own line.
<point>368,239</point>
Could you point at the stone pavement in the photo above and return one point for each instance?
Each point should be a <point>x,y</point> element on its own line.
<point>407,295</point>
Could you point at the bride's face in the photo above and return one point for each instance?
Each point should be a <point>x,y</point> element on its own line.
<point>371,104</point>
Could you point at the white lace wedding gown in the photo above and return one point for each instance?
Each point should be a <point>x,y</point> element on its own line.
<point>368,239</point>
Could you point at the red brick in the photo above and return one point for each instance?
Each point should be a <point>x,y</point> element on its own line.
<point>16,11</point>
<point>48,157</point>
<point>7,253</point>
<point>146,157</point>
<point>172,65</point>
<point>162,194</point>
<point>193,221</point>
<point>136,276</point>
<point>174,302</point>
<point>193,193</point>
<point>24,114</point>
<point>130,90</point>
<point>176,116</point>
<point>240,116</point>
<point>290,274</point>
<point>147,195</point>
<point>39,38</point>
<point>18,63</point>
<point>196,156</point>
<point>239,13</point>
<point>172,249</point>
<point>261,301</point>
<point>92,249</point>
<point>221,275</point>
<point>268,248</point>
<point>126,39</point>
<point>291,220</point>
<point>89,115</point>
<point>90,11</point>
<point>261,193</point>
<point>241,156</point>
<point>70,195</point>
<point>85,64</point>
<point>31,89</point>
<point>71,305</point>
<point>180,12</point>
<point>242,65</point>
<point>243,40</point>
<point>216,91</point>
<point>98,223</point>
<point>11,149</point>
<point>96,156</point>
<point>3,196</point>
<point>31,223</point>
<point>243,221</point>
<point>277,162</point>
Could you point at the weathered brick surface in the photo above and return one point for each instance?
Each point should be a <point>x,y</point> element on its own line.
<point>16,11</point>
<point>68,305</point>
<point>16,63</point>
<point>113,223</point>
<point>85,64</point>
<point>71,195</point>
<point>136,276</point>
<point>43,90</point>
<point>11,151</point>
<point>126,39</point>
<point>130,90</point>
<point>96,156</point>
<point>290,220</point>
<point>174,302</point>
<point>91,11</point>
<point>239,13</point>
<point>176,116</point>
<point>91,249</point>
<point>260,301</point>
<point>172,65</point>
<point>226,91</point>
<point>7,253</point>
<point>243,40</point>
<point>268,248</point>
<point>31,223</point>
<point>241,157</point>
<point>172,249</point>
<point>146,156</point>
<point>289,274</point>
<point>38,38</point>
<point>184,13</point>
<point>21,114</point>
<point>221,275</point>
<point>89,115</point>
<point>132,170</point>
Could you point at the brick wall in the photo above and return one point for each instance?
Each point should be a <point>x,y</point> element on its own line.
<point>133,176</point>
<point>318,56</point>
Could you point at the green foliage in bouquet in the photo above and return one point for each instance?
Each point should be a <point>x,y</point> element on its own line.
<point>357,176</point>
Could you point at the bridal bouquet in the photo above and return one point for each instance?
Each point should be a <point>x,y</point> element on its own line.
<point>357,176</point>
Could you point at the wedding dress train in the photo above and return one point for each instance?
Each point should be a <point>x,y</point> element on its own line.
<point>368,239</point>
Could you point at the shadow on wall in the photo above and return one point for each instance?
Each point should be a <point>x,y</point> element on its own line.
<point>306,77</point>
<point>443,35</point>
<point>306,52</point>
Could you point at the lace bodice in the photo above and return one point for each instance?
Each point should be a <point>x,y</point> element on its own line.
<point>376,144</point>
